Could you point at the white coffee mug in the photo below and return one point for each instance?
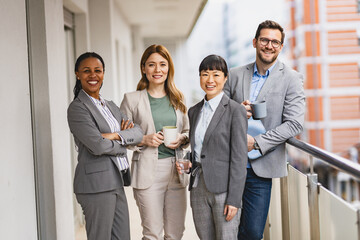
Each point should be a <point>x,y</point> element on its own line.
<point>170,134</point>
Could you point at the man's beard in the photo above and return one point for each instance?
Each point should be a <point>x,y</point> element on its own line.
<point>266,61</point>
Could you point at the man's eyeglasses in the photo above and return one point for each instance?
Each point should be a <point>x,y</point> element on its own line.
<point>265,41</point>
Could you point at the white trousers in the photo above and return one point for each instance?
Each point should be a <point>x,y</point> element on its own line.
<point>163,205</point>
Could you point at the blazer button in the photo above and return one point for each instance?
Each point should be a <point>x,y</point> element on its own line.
<point>202,156</point>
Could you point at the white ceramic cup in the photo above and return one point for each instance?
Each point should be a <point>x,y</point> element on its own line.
<point>170,134</point>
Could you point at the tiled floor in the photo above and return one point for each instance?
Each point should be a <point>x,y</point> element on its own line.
<point>135,225</point>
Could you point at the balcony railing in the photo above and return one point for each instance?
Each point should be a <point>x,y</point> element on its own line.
<point>302,209</point>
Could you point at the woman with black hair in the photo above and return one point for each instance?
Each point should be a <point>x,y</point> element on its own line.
<point>218,140</point>
<point>101,133</point>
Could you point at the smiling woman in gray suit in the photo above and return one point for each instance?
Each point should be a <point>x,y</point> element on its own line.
<point>158,190</point>
<point>101,133</point>
<point>218,128</point>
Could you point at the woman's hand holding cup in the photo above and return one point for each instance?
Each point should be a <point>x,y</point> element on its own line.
<point>170,134</point>
<point>181,139</point>
<point>152,140</point>
<point>181,168</point>
<point>183,163</point>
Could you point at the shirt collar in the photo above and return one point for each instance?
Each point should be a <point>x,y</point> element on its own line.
<point>96,101</point>
<point>214,102</point>
<point>266,73</point>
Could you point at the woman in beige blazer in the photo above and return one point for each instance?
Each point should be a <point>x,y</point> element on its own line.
<point>158,190</point>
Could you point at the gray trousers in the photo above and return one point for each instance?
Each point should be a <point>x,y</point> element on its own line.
<point>208,214</point>
<point>106,215</point>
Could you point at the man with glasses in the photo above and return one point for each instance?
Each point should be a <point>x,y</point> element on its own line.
<point>267,79</point>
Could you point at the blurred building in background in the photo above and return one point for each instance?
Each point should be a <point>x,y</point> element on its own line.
<point>324,44</point>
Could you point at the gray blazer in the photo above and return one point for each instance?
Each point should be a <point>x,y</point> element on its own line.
<point>285,102</point>
<point>224,151</point>
<point>136,106</point>
<point>96,170</point>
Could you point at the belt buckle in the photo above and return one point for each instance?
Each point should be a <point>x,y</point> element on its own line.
<point>196,170</point>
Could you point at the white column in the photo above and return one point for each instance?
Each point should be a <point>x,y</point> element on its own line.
<point>17,184</point>
<point>60,134</point>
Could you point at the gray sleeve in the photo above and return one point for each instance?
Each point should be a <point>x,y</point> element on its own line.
<point>292,117</point>
<point>131,136</point>
<point>227,86</point>
<point>238,148</point>
<point>84,128</point>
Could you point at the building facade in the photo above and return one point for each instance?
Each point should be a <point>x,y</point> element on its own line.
<point>324,44</point>
<point>324,40</point>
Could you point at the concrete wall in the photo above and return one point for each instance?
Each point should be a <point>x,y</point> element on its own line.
<point>17,184</point>
<point>122,55</point>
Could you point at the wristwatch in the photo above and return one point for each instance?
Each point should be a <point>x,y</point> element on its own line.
<point>256,146</point>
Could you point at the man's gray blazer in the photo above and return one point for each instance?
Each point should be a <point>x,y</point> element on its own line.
<point>224,150</point>
<point>285,102</point>
<point>96,170</point>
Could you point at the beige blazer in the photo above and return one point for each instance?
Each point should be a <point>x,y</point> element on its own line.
<point>136,106</point>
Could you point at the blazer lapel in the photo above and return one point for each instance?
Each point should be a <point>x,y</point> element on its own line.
<point>144,101</point>
<point>101,122</point>
<point>194,122</point>
<point>271,81</point>
<point>215,119</point>
<point>247,80</point>
<point>178,120</point>
<point>117,114</point>
<point>114,110</point>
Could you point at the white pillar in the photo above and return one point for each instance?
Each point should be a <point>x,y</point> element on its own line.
<point>17,184</point>
<point>60,134</point>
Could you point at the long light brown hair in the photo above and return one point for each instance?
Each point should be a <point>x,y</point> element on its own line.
<point>176,97</point>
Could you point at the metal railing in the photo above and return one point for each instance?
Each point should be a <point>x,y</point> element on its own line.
<point>334,160</point>
<point>313,190</point>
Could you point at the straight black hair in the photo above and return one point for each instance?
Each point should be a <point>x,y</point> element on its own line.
<point>213,62</point>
